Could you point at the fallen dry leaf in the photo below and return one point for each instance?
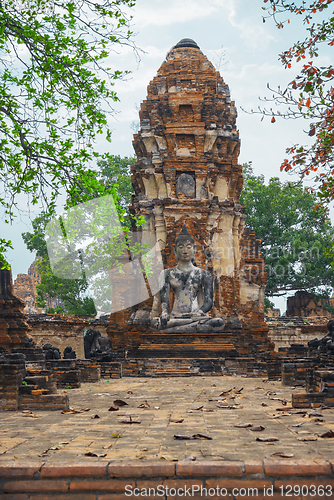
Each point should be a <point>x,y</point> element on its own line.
<point>307,438</point>
<point>190,438</point>
<point>258,428</point>
<point>95,416</point>
<point>238,391</point>
<point>32,415</point>
<point>283,414</point>
<point>46,451</point>
<point>282,454</point>
<point>297,425</point>
<point>72,410</point>
<point>201,436</point>
<point>115,435</point>
<point>283,401</point>
<point>196,407</point>
<point>243,426</point>
<point>92,454</point>
<point>328,434</point>
<point>316,413</point>
<point>129,392</point>
<point>145,404</point>
<point>264,404</point>
<point>267,439</point>
<point>224,393</point>
<point>113,408</point>
<point>177,420</point>
<point>120,402</point>
<point>191,458</point>
<point>182,436</point>
<point>169,458</point>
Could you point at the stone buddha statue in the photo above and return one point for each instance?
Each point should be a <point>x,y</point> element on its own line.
<point>192,290</point>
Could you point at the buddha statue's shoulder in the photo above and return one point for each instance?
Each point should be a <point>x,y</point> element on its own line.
<point>202,272</point>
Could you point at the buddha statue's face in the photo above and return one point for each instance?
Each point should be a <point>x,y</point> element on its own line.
<point>185,250</point>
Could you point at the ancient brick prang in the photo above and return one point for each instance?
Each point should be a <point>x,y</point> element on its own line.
<point>306,304</point>
<point>188,173</point>
<point>13,326</point>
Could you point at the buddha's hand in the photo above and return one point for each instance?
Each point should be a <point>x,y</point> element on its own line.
<point>164,319</point>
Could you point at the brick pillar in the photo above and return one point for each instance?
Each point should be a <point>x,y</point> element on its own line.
<point>13,325</point>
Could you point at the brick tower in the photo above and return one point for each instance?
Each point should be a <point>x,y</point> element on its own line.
<point>188,172</point>
<point>13,325</point>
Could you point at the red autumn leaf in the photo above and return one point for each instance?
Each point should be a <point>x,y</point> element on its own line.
<point>294,84</point>
<point>312,131</point>
<point>308,102</point>
<point>273,120</point>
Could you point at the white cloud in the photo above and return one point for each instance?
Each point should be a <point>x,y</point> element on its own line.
<point>253,33</point>
<point>161,13</point>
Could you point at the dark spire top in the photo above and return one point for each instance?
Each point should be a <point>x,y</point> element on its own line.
<point>184,231</point>
<point>186,42</point>
<point>184,236</point>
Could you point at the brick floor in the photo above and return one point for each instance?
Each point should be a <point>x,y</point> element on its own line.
<point>50,437</point>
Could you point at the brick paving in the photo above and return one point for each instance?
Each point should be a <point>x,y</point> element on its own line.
<point>52,437</point>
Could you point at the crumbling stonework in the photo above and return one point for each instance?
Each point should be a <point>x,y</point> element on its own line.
<point>188,173</point>
<point>25,288</point>
<point>13,326</point>
<point>63,330</point>
<point>305,304</point>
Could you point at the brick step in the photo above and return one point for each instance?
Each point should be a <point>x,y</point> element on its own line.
<point>227,346</point>
<point>43,402</point>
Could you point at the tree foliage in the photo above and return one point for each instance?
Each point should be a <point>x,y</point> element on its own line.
<point>113,178</point>
<point>295,237</point>
<point>55,90</point>
<point>310,94</point>
<point>116,170</point>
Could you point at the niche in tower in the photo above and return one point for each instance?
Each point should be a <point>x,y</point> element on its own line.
<point>186,113</point>
<point>185,184</point>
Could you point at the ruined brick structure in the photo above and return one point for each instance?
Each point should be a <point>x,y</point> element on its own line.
<point>13,325</point>
<point>305,304</point>
<point>25,288</point>
<point>188,172</point>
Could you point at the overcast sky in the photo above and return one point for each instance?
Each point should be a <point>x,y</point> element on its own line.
<point>231,33</point>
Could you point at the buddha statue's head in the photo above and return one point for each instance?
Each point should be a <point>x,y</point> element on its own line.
<point>185,247</point>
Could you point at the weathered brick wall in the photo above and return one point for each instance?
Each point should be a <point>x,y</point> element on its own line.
<point>284,334</point>
<point>305,304</point>
<point>13,326</point>
<point>276,479</point>
<point>62,331</point>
